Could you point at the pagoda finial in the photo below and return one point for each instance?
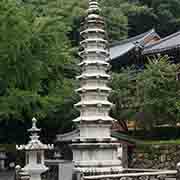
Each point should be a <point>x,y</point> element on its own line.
<point>34,128</point>
<point>34,121</point>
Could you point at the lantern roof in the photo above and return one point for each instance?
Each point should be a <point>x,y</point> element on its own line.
<point>34,143</point>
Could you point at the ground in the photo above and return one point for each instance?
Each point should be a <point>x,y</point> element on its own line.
<point>7,175</point>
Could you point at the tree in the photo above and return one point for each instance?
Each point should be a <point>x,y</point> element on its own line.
<point>160,90</point>
<point>166,13</point>
<point>37,54</point>
<point>150,96</point>
<point>123,95</point>
<point>37,66</point>
<point>140,19</point>
<point>116,20</point>
<point>38,47</point>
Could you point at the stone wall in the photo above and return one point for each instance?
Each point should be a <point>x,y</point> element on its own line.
<point>156,157</point>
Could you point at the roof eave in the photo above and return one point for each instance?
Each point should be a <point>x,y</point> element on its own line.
<point>155,51</point>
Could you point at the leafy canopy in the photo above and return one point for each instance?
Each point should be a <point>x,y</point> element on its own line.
<point>36,64</point>
<point>151,96</point>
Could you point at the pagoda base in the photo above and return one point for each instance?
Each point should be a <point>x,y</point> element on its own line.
<point>98,170</point>
<point>97,158</point>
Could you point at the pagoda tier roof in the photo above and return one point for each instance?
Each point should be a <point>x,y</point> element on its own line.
<point>97,50</point>
<point>89,30</point>
<point>93,88</point>
<point>165,44</point>
<point>120,48</point>
<point>94,40</point>
<point>93,103</point>
<point>93,118</point>
<point>97,62</point>
<point>93,16</point>
<point>93,75</point>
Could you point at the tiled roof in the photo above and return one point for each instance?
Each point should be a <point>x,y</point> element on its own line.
<point>170,42</point>
<point>124,137</point>
<point>120,48</point>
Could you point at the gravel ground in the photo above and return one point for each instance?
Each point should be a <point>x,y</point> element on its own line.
<point>8,175</point>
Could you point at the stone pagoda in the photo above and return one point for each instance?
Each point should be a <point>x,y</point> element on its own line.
<point>34,153</point>
<point>94,150</point>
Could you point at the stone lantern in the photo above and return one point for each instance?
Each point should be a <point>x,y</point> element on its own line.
<point>34,152</point>
<point>3,157</point>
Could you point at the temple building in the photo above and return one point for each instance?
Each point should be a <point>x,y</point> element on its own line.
<point>129,51</point>
<point>135,50</point>
<point>169,45</point>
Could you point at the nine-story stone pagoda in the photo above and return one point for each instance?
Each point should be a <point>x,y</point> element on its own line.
<point>94,150</point>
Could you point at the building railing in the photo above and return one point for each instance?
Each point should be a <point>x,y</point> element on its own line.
<point>136,174</point>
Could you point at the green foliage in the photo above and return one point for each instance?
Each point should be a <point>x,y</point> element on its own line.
<point>167,14</point>
<point>160,90</point>
<point>116,19</point>
<point>38,45</point>
<point>124,93</point>
<point>158,133</point>
<point>150,97</point>
<point>36,64</point>
<point>133,17</point>
<point>141,19</point>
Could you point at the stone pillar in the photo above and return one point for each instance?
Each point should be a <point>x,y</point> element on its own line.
<point>2,159</point>
<point>178,168</point>
<point>2,164</point>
